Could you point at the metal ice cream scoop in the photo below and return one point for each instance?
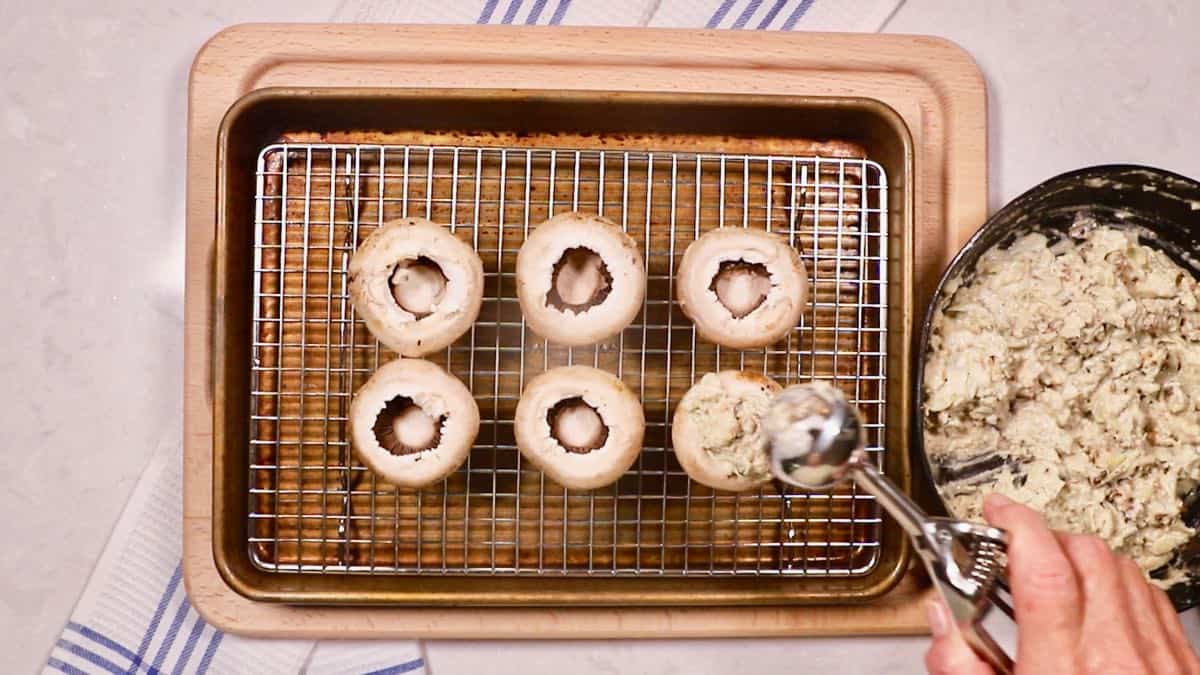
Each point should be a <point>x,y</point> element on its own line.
<point>817,441</point>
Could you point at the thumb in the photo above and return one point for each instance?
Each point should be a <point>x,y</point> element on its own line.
<point>949,654</point>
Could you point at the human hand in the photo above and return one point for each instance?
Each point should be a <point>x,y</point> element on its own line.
<point>1080,608</point>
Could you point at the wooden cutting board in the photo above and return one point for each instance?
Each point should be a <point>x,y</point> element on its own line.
<point>934,86</point>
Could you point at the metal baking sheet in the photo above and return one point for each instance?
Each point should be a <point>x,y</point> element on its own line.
<point>313,516</point>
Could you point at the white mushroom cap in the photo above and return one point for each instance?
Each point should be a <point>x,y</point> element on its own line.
<point>719,285</point>
<point>617,407</point>
<point>439,396</point>
<point>717,434</point>
<point>552,295</point>
<point>437,277</point>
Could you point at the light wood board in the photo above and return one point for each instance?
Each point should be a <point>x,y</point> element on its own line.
<point>934,86</point>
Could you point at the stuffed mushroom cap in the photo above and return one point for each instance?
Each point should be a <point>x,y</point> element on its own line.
<point>717,432</point>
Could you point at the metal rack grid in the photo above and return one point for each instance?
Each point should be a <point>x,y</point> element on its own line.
<point>314,507</point>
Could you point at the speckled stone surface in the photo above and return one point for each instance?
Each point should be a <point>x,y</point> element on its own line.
<point>92,112</point>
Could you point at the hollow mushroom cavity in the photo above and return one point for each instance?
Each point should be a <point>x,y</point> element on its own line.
<point>418,285</point>
<point>576,425</point>
<point>403,428</point>
<point>740,286</point>
<point>580,280</point>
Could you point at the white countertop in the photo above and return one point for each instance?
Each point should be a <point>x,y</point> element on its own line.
<point>92,112</point>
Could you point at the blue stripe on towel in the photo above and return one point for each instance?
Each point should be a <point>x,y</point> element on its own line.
<point>751,8</point>
<point>397,669</point>
<point>514,6</point>
<point>168,592</point>
<point>719,15</point>
<point>189,646</point>
<point>172,632</point>
<point>560,12</point>
<point>796,14</point>
<point>206,660</point>
<point>103,640</point>
<point>485,15</point>
<point>63,667</point>
<point>90,656</point>
<point>771,14</point>
<point>535,12</point>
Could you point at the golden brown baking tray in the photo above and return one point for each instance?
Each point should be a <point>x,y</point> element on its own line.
<point>298,519</point>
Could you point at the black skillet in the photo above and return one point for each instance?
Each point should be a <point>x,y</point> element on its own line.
<point>1162,203</point>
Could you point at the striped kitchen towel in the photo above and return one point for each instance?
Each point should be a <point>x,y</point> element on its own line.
<point>135,617</point>
<point>812,15</point>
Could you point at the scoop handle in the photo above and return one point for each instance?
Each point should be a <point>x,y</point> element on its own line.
<point>996,629</point>
<point>893,500</point>
<point>992,632</point>
<point>993,635</point>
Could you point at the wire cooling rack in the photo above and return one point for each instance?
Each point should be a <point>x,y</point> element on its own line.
<point>314,507</point>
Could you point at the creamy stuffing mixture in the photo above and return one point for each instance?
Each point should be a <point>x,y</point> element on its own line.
<point>729,426</point>
<point>1077,363</point>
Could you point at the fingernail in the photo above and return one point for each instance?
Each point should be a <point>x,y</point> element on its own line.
<point>997,501</point>
<point>939,619</point>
